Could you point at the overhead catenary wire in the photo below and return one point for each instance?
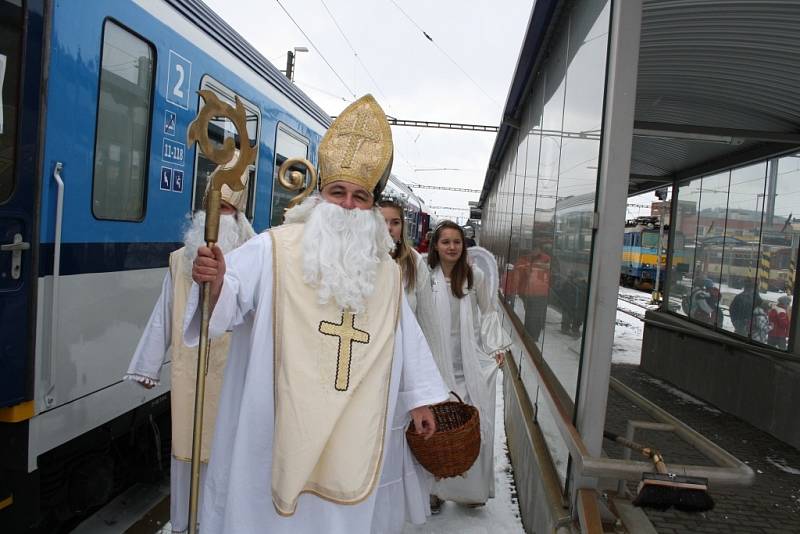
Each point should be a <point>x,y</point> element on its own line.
<point>316,49</point>
<point>444,53</point>
<point>363,66</point>
<point>323,91</point>
<point>353,49</point>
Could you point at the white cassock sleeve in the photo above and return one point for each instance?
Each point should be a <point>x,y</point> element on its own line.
<point>151,352</point>
<point>420,383</point>
<point>239,296</point>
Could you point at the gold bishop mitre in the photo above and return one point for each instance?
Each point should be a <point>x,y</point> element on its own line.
<point>357,148</point>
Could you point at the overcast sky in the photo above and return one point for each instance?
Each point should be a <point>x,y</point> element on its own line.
<point>410,76</point>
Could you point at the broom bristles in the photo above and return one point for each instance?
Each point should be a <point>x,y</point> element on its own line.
<point>661,491</point>
<point>694,501</point>
<point>654,496</point>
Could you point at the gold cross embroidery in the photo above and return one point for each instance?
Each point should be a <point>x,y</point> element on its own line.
<point>358,134</point>
<point>347,334</point>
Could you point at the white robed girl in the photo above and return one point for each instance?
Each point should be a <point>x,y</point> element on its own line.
<point>411,484</point>
<point>474,349</point>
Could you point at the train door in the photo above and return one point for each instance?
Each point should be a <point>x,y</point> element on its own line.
<point>20,54</point>
<point>97,221</point>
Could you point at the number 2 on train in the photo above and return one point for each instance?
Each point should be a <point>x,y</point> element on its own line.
<point>179,80</point>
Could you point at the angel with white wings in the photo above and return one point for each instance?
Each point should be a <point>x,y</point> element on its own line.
<point>473,346</point>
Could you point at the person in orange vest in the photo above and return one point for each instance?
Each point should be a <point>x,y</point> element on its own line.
<point>531,282</point>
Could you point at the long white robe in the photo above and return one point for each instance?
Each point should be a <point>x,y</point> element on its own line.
<point>480,336</point>
<point>151,354</point>
<point>237,492</point>
<point>404,496</point>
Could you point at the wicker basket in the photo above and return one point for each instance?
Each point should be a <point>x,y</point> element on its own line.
<point>454,446</point>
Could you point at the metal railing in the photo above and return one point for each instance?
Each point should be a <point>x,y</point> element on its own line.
<point>729,471</point>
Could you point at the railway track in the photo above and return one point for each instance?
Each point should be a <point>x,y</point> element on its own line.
<point>629,301</point>
<point>637,315</point>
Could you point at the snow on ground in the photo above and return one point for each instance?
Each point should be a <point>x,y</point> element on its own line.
<point>629,328</point>
<point>635,296</point>
<point>628,333</point>
<point>501,514</point>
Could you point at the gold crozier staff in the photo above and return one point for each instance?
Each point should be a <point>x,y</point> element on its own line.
<point>198,132</point>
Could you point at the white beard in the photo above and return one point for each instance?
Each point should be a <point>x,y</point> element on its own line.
<point>341,250</point>
<point>234,231</point>
<point>301,212</point>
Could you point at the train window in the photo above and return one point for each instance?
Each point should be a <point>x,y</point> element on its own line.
<point>288,144</point>
<point>10,55</point>
<point>123,125</point>
<point>650,240</point>
<point>219,129</point>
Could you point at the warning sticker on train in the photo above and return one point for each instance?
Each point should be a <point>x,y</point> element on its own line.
<point>169,122</point>
<point>166,179</point>
<point>177,181</point>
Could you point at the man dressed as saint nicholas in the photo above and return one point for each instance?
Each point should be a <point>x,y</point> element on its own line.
<point>163,332</point>
<point>324,352</point>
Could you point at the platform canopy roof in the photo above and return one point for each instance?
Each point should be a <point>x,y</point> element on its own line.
<point>718,86</point>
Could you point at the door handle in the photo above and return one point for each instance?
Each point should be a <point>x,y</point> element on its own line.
<point>16,249</point>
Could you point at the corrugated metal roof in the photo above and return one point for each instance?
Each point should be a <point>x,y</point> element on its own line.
<point>715,64</point>
<point>704,65</point>
<point>207,20</point>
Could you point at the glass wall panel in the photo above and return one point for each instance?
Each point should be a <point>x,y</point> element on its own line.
<point>779,243</point>
<point>511,180</point>
<point>519,271</point>
<point>734,256</point>
<point>575,199</point>
<point>519,191</point>
<point>553,192</point>
<point>681,271</point>
<point>547,285</point>
<point>536,294</point>
<point>705,295</point>
<point>740,256</point>
<point>499,245</point>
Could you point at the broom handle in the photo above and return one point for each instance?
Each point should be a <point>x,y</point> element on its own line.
<point>654,455</point>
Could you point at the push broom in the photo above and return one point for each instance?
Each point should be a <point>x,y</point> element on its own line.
<point>662,489</point>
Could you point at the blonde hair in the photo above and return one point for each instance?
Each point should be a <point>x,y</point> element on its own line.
<point>402,253</point>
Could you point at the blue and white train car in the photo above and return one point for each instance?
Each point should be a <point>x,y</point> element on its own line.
<point>96,179</point>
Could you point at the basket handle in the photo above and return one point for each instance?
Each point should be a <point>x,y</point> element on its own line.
<point>453,393</point>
